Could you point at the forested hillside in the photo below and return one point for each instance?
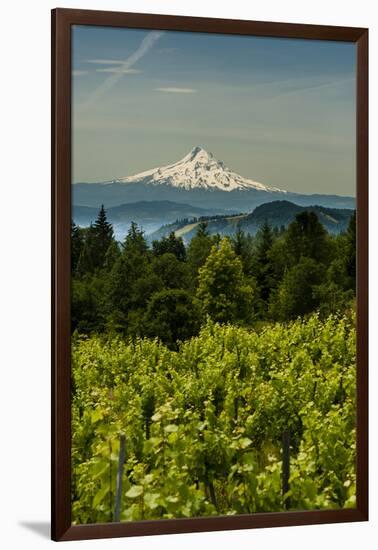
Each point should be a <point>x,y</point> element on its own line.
<point>167,290</point>
<point>278,214</point>
<point>213,379</point>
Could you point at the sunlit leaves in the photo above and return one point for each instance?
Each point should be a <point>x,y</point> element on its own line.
<point>203,425</point>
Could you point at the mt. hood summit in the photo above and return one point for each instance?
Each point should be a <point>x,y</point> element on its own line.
<point>198,179</point>
<point>197,170</point>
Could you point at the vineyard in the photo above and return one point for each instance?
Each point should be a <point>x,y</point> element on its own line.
<point>234,421</point>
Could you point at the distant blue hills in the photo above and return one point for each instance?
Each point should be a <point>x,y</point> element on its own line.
<point>198,186</point>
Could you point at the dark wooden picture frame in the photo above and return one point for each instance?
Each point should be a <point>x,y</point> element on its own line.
<point>62,20</point>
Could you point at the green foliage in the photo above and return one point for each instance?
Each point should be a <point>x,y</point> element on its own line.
<point>223,291</point>
<point>172,272</point>
<point>331,297</point>
<point>295,295</point>
<point>306,237</point>
<point>242,244</point>
<point>264,265</point>
<point>103,232</point>
<point>199,249</point>
<point>171,316</point>
<point>98,239</point>
<point>131,282</point>
<point>171,244</point>
<point>350,256</point>
<point>203,425</point>
<point>87,303</point>
<point>112,254</point>
<point>308,270</point>
<point>277,275</point>
<point>77,241</point>
<point>203,410</point>
<point>135,244</point>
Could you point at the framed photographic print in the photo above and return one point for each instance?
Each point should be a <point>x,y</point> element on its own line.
<point>210,272</point>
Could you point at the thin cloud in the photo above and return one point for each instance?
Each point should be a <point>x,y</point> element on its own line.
<point>106,61</point>
<point>147,43</point>
<point>118,70</point>
<point>77,72</point>
<point>302,88</point>
<point>177,90</point>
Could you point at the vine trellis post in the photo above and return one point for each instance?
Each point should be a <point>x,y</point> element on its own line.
<point>121,461</point>
<point>286,466</point>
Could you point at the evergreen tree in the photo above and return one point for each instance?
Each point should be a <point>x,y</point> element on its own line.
<point>264,270</point>
<point>223,291</point>
<point>172,316</point>
<point>103,232</point>
<point>87,259</point>
<point>296,295</point>
<point>130,283</point>
<point>77,241</point>
<point>172,272</point>
<point>98,238</point>
<point>307,237</point>
<point>112,255</point>
<point>242,245</point>
<point>87,303</point>
<point>199,249</point>
<point>171,244</point>
<point>135,242</point>
<point>238,241</point>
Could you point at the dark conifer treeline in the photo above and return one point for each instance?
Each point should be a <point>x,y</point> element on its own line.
<point>167,291</point>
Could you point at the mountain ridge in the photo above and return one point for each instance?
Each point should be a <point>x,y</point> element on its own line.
<point>150,214</point>
<point>199,169</point>
<point>276,213</point>
<point>196,179</point>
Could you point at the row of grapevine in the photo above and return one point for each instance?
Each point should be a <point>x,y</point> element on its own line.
<point>203,427</point>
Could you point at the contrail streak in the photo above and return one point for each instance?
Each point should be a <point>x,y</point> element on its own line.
<point>146,44</point>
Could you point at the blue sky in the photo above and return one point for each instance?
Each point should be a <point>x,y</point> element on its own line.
<point>279,111</point>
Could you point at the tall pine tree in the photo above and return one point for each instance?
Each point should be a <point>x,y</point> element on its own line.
<point>264,270</point>
<point>77,241</point>
<point>199,249</point>
<point>131,282</point>
<point>307,237</point>
<point>98,238</point>
<point>171,244</point>
<point>104,236</point>
<point>242,245</point>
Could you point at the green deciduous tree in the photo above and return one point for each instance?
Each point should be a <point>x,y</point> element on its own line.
<point>223,290</point>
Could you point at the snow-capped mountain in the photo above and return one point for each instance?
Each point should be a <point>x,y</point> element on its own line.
<point>197,170</point>
<point>199,180</point>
